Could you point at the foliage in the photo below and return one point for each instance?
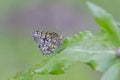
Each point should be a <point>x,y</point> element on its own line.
<point>96,50</point>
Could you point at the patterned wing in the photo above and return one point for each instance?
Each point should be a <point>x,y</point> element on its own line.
<point>47,42</point>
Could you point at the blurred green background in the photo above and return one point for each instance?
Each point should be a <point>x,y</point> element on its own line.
<point>18,18</point>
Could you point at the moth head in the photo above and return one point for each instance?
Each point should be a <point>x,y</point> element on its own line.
<point>36,35</point>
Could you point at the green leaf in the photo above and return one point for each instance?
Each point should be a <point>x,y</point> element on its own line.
<point>106,22</point>
<point>101,62</point>
<point>112,72</point>
<point>25,75</point>
<point>86,49</point>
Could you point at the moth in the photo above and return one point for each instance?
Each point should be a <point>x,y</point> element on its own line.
<point>47,41</point>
